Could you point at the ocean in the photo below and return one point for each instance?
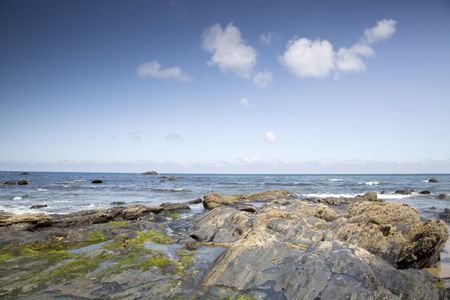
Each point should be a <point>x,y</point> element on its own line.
<point>69,192</point>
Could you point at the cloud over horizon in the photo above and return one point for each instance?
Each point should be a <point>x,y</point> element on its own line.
<point>317,58</point>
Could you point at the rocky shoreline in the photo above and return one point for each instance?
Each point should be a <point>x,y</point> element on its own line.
<point>270,245</point>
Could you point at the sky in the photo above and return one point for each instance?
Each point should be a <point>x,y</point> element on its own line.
<point>225,86</point>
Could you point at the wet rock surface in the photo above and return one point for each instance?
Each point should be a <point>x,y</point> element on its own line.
<point>282,248</point>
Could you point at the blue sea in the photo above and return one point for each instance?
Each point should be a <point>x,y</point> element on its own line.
<point>69,192</point>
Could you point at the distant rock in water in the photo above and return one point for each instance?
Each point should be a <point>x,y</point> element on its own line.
<point>97,181</point>
<point>24,173</point>
<point>16,182</point>
<point>404,191</point>
<point>445,215</point>
<point>424,192</point>
<point>151,172</point>
<point>117,203</point>
<point>10,182</point>
<point>38,206</point>
<point>433,180</point>
<point>442,196</point>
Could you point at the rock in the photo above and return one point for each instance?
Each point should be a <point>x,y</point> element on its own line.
<point>175,207</point>
<point>22,182</point>
<point>404,191</point>
<point>10,182</point>
<point>248,208</point>
<point>214,200</point>
<point>442,196</point>
<point>38,206</point>
<point>118,203</point>
<point>151,172</point>
<point>30,220</point>
<point>192,246</point>
<point>424,192</point>
<point>172,178</point>
<point>195,201</point>
<point>293,252</point>
<point>433,180</point>
<point>370,196</point>
<point>394,232</point>
<point>24,173</point>
<point>97,181</point>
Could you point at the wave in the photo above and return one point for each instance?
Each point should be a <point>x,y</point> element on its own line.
<point>370,183</point>
<point>42,190</point>
<point>170,190</point>
<point>288,183</point>
<point>16,198</point>
<point>336,179</point>
<point>396,196</point>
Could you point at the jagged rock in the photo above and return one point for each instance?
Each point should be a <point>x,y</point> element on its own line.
<point>394,231</point>
<point>404,191</point>
<point>370,196</point>
<point>24,173</point>
<point>292,252</point>
<point>38,206</point>
<point>22,182</point>
<point>29,220</point>
<point>424,192</point>
<point>97,181</point>
<point>433,180</point>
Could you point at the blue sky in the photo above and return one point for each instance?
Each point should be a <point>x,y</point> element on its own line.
<point>225,86</point>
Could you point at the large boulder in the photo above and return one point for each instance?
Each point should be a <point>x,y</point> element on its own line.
<point>404,191</point>
<point>97,181</point>
<point>215,200</point>
<point>295,251</point>
<point>433,180</point>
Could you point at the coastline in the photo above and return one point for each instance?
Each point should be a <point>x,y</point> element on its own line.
<point>204,253</point>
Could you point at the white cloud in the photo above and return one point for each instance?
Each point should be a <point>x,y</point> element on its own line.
<point>174,137</point>
<point>153,69</point>
<point>383,30</point>
<point>263,78</point>
<point>316,58</point>
<point>308,58</point>
<point>351,59</point>
<point>245,102</point>
<point>229,51</point>
<point>266,38</point>
<point>270,137</point>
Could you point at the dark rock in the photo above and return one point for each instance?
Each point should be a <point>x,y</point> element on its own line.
<point>151,172</point>
<point>433,180</point>
<point>192,246</point>
<point>175,206</point>
<point>38,206</point>
<point>195,201</point>
<point>22,182</point>
<point>442,196</point>
<point>25,173</point>
<point>404,191</point>
<point>118,203</point>
<point>248,208</point>
<point>10,182</point>
<point>97,181</point>
<point>424,192</point>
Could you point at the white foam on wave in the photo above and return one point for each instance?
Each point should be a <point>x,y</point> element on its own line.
<point>396,196</point>
<point>19,210</point>
<point>16,198</point>
<point>336,179</point>
<point>369,182</point>
<point>327,195</point>
<point>42,190</point>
